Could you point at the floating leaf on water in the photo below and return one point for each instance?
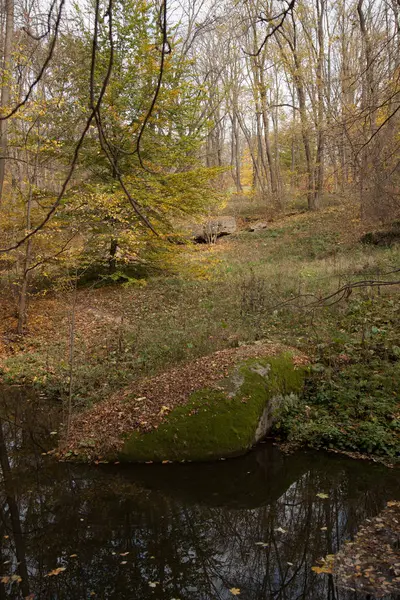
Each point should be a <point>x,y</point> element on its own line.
<point>56,571</point>
<point>73,555</point>
<point>322,495</point>
<point>324,529</point>
<point>262,544</point>
<point>124,562</point>
<point>326,565</point>
<point>5,579</point>
<point>235,591</point>
<point>153,584</point>
<point>280,530</point>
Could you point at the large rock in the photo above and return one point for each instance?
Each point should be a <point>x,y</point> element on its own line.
<point>386,237</point>
<point>214,407</point>
<point>259,226</point>
<point>225,420</point>
<point>213,228</point>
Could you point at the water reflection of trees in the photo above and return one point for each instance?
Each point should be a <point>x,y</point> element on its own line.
<point>192,550</point>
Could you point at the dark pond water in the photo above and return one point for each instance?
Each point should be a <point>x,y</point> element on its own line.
<point>187,532</point>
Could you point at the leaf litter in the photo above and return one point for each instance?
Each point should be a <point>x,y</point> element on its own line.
<point>369,564</point>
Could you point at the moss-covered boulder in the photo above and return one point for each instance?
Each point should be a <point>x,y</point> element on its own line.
<point>214,407</point>
<point>223,421</point>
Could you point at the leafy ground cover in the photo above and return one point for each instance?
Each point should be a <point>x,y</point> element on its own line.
<point>247,287</point>
<point>351,398</point>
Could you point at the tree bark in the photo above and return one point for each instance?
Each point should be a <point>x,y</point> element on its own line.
<point>6,89</point>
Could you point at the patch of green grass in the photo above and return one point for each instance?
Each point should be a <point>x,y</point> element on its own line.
<point>215,424</point>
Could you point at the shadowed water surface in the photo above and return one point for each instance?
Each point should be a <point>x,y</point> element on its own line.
<point>188,532</point>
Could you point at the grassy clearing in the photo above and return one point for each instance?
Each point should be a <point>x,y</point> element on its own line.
<point>218,297</point>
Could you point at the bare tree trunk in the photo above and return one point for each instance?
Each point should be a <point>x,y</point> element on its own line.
<point>258,182</point>
<point>368,108</point>
<point>235,152</point>
<point>307,146</point>
<point>23,294</point>
<point>112,258</point>
<point>72,351</point>
<point>6,88</point>
<point>319,176</point>
<point>265,118</point>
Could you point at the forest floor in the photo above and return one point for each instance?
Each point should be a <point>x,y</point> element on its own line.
<point>249,286</point>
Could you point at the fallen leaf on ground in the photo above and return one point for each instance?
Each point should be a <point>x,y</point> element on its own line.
<point>235,591</point>
<point>323,569</point>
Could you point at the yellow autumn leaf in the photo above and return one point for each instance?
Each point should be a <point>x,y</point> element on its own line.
<point>323,569</point>
<point>55,571</point>
<point>235,591</point>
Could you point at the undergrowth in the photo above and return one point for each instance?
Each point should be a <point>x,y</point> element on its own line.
<point>351,398</point>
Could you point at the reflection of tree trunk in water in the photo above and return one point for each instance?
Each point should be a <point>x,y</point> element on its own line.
<point>202,556</point>
<point>14,516</point>
<point>329,542</point>
<point>3,593</point>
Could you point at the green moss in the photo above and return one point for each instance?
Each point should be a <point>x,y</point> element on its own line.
<point>218,423</point>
